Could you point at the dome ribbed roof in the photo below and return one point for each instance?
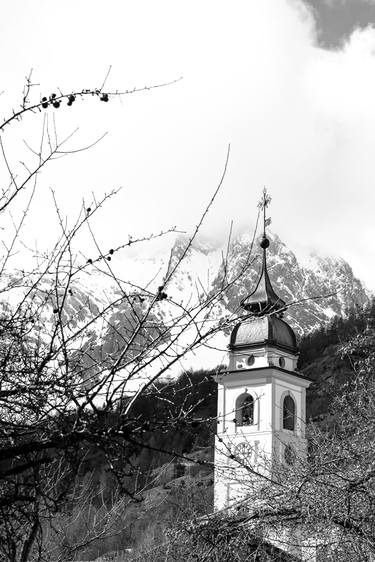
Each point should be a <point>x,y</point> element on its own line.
<point>270,330</point>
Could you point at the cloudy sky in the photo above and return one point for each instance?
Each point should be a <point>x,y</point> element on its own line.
<point>289,84</point>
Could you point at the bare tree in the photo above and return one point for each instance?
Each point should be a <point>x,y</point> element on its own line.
<point>73,367</point>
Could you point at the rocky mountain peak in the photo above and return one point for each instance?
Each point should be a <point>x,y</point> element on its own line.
<point>315,290</point>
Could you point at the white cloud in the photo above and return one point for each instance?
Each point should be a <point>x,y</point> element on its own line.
<point>300,119</point>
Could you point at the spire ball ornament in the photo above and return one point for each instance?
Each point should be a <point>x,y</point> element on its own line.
<point>263,300</point>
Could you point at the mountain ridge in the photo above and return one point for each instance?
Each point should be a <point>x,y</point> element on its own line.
<point>323,287</point>
<point>316,292</point>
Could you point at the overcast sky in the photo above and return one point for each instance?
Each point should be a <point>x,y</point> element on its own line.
<point>290,85</point>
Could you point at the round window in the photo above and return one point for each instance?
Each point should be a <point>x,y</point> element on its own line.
<point>282,362</point>
<point>251,360</point>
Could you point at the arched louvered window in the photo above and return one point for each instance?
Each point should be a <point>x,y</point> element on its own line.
<point>289,413</point>
<point>245,410</point>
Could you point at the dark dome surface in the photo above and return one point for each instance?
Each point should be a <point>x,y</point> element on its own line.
<point>264,299</point>
<point>270,330</point>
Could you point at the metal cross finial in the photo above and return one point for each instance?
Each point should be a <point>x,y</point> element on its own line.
<point>265,201</point>
<point>262,205</point>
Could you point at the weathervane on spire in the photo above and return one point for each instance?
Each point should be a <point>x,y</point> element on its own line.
<point>262,206</point>
<point>263,300</point>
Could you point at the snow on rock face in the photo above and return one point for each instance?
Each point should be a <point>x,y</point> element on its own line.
<point>315,290</point>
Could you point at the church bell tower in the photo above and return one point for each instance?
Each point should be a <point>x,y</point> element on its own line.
<point>261,396</point>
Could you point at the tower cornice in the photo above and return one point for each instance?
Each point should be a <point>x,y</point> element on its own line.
<point>266,371</point>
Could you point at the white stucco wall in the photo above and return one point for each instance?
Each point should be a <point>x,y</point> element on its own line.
<point>264,441</point>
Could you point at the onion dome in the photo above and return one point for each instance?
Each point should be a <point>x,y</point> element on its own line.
<point>264,324</point>
<point>264,330</point>
<point>263,300</point>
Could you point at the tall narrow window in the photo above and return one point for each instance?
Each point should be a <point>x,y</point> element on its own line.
<point>289,413</point>
<point>248,410</point>
<point>245,410</point>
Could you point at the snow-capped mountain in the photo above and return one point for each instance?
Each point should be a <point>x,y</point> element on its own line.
<point>200,285</point>
<point>316,289</point>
